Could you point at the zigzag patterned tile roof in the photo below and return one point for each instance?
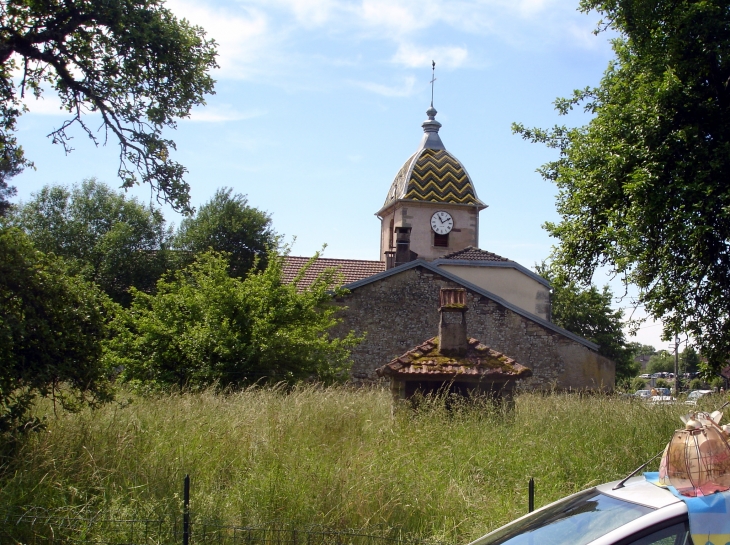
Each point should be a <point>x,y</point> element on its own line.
<point>432,174</point>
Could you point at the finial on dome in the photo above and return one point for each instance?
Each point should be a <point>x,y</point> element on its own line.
<point>431,127</point>
<point>433,79</point>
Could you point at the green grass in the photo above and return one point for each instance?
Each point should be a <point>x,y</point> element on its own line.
<point>333,456</point>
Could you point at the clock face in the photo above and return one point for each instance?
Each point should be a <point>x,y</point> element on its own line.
<point>442,222</point>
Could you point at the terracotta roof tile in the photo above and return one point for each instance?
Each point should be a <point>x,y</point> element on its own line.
<point>474,254</point>
<point>352,270</point>
<point>479,362</point>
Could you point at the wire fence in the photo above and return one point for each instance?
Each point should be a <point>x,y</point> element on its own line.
<point>35,526</point>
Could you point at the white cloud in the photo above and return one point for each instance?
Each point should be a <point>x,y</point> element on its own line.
<point>218,114</point>
<point>310,13</point>
<point>47,104</point>
<point>271,40</point>
<point>403,89</point>
<point>243,36</point>
<point>413,56</point>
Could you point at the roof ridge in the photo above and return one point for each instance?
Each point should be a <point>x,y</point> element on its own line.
<point>463,251</point>
<point>333,259</point>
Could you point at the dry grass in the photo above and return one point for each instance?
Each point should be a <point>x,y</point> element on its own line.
<point>333,456</point>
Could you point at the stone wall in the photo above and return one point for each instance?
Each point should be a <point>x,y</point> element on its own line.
<point>401,311</point>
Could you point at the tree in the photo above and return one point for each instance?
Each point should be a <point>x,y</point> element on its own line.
<point>689,360</point>
<point>639,349</point>
<point>662,362</point>
<point>115,241</point>
<point>129,61</point>
<point>51,329</point>
<point>226,223</point>
<point>643,186</point>
<point>587,312</point>
<point>204,326</point>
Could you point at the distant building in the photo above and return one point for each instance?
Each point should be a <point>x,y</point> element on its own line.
<point>429,238</point>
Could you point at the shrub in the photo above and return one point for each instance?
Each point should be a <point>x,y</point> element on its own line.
<point>638,384</point>
<point>204,326</point>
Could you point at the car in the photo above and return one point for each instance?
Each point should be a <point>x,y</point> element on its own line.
<point>643,394</point>
<point>638,513</point>
<point>645,375</point>
<point>694,395</point>
<point>662,399</point>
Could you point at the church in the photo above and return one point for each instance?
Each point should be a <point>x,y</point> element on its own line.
<point>429,241</point>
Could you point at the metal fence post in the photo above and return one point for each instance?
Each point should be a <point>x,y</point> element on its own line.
<point>186,510</point>
<point>531,495</point>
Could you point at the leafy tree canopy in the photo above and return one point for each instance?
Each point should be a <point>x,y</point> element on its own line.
<point>204,326</point>
<point>587,312</point>
<point>129,61</point>
<point>689,360</point>
<point>639,349</point>
<point>228,224</point>
<point>643,186</point>
<point>662,362</point>
<point>51,329</point>
<point>115,241</point>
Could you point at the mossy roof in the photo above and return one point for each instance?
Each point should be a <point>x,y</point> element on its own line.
<point>479,363</point>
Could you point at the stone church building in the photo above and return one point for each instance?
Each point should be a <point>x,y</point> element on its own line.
<point>429,240</point>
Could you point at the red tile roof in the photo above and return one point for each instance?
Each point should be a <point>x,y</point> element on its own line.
<point>474,254</point>
<point>351,269</point>
<point>479,363</point>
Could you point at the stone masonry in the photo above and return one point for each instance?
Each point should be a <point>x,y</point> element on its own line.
<point>400,311</point>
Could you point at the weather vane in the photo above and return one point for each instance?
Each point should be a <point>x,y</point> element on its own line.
<point>433,78</point>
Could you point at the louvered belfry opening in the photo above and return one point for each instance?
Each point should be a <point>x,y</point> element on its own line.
<point>453,340</point>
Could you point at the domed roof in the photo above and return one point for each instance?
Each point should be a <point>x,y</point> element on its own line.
<point>432,174</point>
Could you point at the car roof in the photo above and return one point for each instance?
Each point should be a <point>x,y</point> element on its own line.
<point>639,490</point>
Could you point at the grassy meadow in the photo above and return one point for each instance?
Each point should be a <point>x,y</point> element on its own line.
<point>336,456</point>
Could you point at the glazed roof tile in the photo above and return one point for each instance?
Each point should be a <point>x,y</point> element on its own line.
<point>470,253</point>
<point>352,270</point>
<point>432,174</point>
<point>480,362</point>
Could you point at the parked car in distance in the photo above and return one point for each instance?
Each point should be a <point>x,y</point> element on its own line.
<point>645,375</point>
<point>637,513</point>
<point>663,391</point>
<point>643,394</point>
<point>694,395</point>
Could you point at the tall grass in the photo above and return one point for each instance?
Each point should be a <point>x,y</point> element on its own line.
<point>333,456</point>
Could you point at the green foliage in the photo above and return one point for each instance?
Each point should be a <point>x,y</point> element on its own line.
<point>689,360</point>
<point>643,187</point>
<point>662,383</point>
<point>663,362</point>
<point>203,326</point>
<point>587,312</point>
<point>228,224</point>
<point>716,382</point>
<point>51,330</point>
<point>335,456</point>
<point>638,349</point>
<point>638,384</point>
<point>695,384</point>
<point>117,242</point>
<point>130,61</point>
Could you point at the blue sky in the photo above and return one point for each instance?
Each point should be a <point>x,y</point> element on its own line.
<point>319,102</point>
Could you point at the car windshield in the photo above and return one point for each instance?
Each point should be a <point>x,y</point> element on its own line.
<point>576,521</point>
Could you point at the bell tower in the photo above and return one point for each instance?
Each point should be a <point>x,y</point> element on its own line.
<point>433,195</point>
